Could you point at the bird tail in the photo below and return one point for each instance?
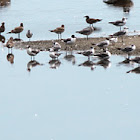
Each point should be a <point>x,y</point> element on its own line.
<point>99,19</point>
<point>119,48</point>
<point>128,71</point>
<point>9,32</point>
<point>111,22</point>
<point>51,30</point>
<point>93,43</point>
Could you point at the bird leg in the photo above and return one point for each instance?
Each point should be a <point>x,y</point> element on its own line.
<point>19,35</point>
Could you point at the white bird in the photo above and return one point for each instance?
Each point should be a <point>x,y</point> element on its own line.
<point>55,55</point>
<point>29,34</point>
<point>113,40</point>
<point>56,47</point>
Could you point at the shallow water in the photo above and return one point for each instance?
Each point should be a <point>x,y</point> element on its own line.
<point>70,102</point>
<point>42,16</point>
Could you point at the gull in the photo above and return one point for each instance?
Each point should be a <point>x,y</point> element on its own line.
<point>55,48</point>
<point>103,44</point>
<point>10,44</point>
<point>59,31</point>
<point>91,20</point>
<point>121,33</point>
<point>29,34</point>
<point>54,55</point>
<point>128,49</point>
<point>86,31</point>
<point>119,22</point>
<point>2,27</point>
<point>113,39</point>
<point>70,41</point>
<point>32,52</point>
<point>88,53</point>
<point>104,55</point>
<point>17,30</point>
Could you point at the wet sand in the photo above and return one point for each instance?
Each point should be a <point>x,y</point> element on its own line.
<point>84,44</point>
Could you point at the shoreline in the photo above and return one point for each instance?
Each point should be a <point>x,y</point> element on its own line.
<point>84,44</point>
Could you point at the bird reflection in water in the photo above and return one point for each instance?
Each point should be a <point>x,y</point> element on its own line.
<point>104,63</point>
<point>135,70</point>
<point>10,58</point>
<point>54,63</point>
<point>33,63</point>
<point>127,62</point>
<point>89,64</point>
<point>2,39</point>
<point>70,57</point>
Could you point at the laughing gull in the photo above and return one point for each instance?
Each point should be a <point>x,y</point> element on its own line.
<point>2,27</point>
<point>70,41</point>
<point>88,53</point>
<point>10,44</point>
<point>121,33</point>
<point>104,55</point>
<point>55,48</point>
<point>91,20</point>
<point>32,52</point>
<point>128,49</point>
<point>119,22</point>
<point>29,34</point>
<point>59,31</point>
<point>103,44</point>
<point>17,30</point>
<point>86,31</point>
<point>54,55</point>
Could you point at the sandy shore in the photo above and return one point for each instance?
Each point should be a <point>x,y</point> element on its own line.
<point>84,44</point>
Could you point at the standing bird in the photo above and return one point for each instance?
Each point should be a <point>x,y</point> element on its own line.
<point>10,44</point>
<point>54,55</point>
<point>59,31</point>
<point>17,30</point>
<point>128,49</point>
<point>2,27</point>
<point>121,33</point>
<point>70,41</point>
<point>29,34</point>
<point>88,53</point>
<point>86,31</point>
<point>103,44</point>
<point>119,22</point>
<point>55,48</point>
<point>32,52</point>
<point>91,20</point>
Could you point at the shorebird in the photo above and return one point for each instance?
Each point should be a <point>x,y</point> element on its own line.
<point>2,27</point>
<point>128,49</point>
<point>59,31</point>
<point>119,22</point>
<point>88,53</point>
<point>70,41</point>
<point>91,20</point>
<point>104,55</point>
<point>103,44</point>
<point>86,31</point>
<point>10,44</point>
<point>54,55</point>
<point>32,63</point>
<point>121,33</point>
<point>55,48</point>
<point>10,58</point>
<point>88,64</point>
<point>32,52</point>
<point>17,30</point>
<point>29,34</point>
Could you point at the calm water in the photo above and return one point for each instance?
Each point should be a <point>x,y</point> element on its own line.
<point>42,16</point>
<point>70,102</point>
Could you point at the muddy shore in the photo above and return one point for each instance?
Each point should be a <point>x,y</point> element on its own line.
<point>84,44</point>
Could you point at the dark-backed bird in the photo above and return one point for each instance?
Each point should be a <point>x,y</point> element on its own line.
<point>32,52</point>
<point>103,44</point>
<point>86,31</point>
<point>91,20</point>
<point>128,49</point>
<point>88,53</point>
<point>119,22</point>
<point>103,55</point>
<point>10,44</point>
<point>2,27</point>
<point>70,41</point>
<point>17,30</point>
<point>59,31</point>
<point>29,34</point>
